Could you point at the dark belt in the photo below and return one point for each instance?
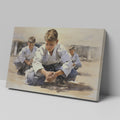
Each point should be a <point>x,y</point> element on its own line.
<point>51,67</point>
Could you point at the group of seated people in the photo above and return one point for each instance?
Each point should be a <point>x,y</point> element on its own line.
<point>48,63</point>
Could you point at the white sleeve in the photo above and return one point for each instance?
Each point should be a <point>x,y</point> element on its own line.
<point>37,61</point>
<point>21,55</point>
<point>66,61</point>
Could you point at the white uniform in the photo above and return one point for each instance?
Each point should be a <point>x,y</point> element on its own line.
<point>60,55</point>
<point>26,53</point>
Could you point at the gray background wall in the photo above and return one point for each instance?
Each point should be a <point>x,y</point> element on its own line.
<point>69,13</point>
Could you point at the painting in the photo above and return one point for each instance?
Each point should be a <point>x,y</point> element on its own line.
<point>63,62</point>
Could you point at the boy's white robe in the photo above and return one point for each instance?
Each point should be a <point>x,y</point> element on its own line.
<point>60,55</point>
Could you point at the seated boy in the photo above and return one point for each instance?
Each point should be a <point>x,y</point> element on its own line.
<point>51,63</point>
<point>25,57</point>
<point>75,58</point>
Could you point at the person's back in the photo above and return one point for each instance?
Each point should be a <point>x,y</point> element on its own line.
<point>25,57</point>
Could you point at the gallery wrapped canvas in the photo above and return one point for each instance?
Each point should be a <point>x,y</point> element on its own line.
<point>57,61</point>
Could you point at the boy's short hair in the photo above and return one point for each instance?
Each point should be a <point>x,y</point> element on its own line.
<point>31,39</point>
<point>51,35</point>
<point>71,48</point>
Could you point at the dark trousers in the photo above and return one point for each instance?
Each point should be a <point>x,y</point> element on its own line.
<point>38,79</point>
<point>22,67</point>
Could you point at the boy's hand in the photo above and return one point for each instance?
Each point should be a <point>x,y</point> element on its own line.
<point>56,74</point>
<point>31,61</point>
<point>73,64</point>
<point>49,76</point>
<point>27,62</point>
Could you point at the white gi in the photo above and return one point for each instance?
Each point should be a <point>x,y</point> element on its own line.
<point>43,58</point>
<point>59,55</point>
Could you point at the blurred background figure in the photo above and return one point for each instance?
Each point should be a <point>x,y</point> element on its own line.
<point>74,57</point>
<point>25,57</point>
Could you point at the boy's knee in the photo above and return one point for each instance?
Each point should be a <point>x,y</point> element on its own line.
<point>72,75</point>
<point>30,78</point>
<point>79,65</point>
<point>17,64</point>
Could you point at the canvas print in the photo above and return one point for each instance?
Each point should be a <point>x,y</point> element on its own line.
<point>57,61</point>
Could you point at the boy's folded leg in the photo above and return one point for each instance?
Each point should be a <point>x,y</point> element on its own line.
<point>72,75</point>
<point>35,80</point>
<point>18,64</point>
<point>20,72</point>
<point>22,67</point>
<point>77,66</point>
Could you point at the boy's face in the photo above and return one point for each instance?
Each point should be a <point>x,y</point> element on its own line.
<point>71,51</point>
<point>31,45</point>
<point>50,45</point>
